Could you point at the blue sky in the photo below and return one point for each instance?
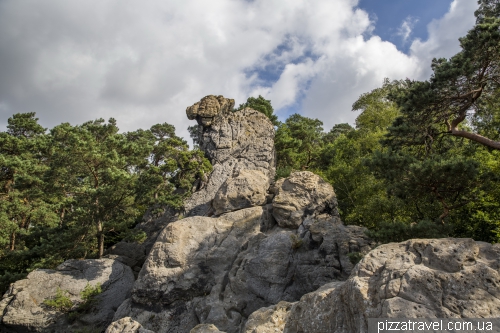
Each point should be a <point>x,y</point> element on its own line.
<point>390,17</point>
<point>144,62</point>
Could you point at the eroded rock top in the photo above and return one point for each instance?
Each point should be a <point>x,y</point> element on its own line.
<point>208,107</point>
<point>238,144</point>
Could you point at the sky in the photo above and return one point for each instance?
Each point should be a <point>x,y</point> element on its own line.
<point>144,62</point>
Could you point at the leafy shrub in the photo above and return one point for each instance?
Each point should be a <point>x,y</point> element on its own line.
<point>296,241</point>
<point>355,257</point>
<point>60,302</point>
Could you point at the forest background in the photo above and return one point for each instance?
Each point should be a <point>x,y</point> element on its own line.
<point>421,161</point>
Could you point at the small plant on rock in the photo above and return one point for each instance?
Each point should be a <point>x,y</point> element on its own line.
<point>60,302</point>
<point>296,241</point>
<point>355,257</point>
<point>89,297</point>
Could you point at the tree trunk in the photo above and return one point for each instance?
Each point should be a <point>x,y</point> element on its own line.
<point>100,238</point>
<point>12,241</point>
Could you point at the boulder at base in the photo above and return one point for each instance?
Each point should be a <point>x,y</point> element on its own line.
<point>420,278</point>
<point>126,325</point>
<point>23,304</point>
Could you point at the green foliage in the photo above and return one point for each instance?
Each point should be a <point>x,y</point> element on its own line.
<point>298,143</point>
<point>466,82</point>
<point>355,257</point>
<point>70,192</point>
<point>296,241</point>
<point>387,232</point>
<point>60,302</point>
<point>133,236</point>
<point>262,105</point>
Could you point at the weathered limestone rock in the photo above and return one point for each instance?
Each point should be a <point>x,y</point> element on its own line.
<point>421,278</point>
<point>248,189</point>
<point>126,325</point>
<point>300,195</point>
<point>134,254</point>
<point>220,270</point>
<point>233,141</point>
<point>205,328</point>
<point>317,312</point>
<point>208,108</point>
<point>268,320</point>
<point>26,312</point>
<point>189,261</point>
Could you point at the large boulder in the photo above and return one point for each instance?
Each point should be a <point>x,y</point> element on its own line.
<point>300,195</point>
<point>420,278</point>
<point>268,320</point>
<point>236,143</point>
<point>205,328</point>
<point>247,189</point>
<point>208,108</point>
<point>126,325</point>
<point>24,308</point>
<point>220,270</point>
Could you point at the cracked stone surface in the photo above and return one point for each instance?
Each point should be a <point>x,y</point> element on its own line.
<point>300,195</point>
<point>420,278</point>
<point>238,144</point>
<point>126,325</point>
<point>220,270</point>
<point>24,310</point>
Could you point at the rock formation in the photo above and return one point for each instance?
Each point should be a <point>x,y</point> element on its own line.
<point>240,146</point>
<point>23,305</point>
<point>254,256</point>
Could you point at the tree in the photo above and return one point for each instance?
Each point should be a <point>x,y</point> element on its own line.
<point>362,197</point>
<point>463,90</point>
<point>23,201</point>
<point>262,105</point>
<point>172,169</point>
<point>298,142</point>
<point>95,167</point>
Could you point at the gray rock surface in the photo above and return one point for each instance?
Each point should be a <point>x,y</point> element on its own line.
<point>220,270</point>
<point>126,325</point>
<point>233,141</point>
<point>301,195</point>
<point>247,189</point>
<point>420,278</point>
<point>26,312</point>
<point>134,254</point>
<point>268,320</point>
<point>209,108</point>
<point>205,328</point>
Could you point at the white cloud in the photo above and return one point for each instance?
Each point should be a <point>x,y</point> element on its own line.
<point>404,31</point>
<point>144,62</point>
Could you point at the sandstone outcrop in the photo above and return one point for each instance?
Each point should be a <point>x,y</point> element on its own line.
<point>23,304</point>
<point>205,328</point>
<point>220,270</point>
<point>300,195</point>
<point>126,325</point>
<point>238,144</point>
<point>247,189</point>
<point>208,108</point>
<point>268,320</point>
<point>420,278</point>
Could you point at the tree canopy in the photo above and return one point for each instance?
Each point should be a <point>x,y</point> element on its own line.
<point>462,93</point>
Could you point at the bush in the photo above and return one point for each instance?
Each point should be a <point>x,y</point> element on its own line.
<point>60,302</point>
<point>296,241</point>
<point>355,257</point>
